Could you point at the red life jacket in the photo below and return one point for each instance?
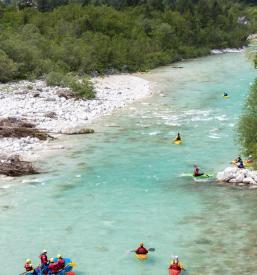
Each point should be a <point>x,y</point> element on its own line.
<point>43,258</point>
<point>196,171</point>
<point>61,263</point>
<point>141,250</point>
<point>54,267</point>
<point>28,267</point>
<point>175,266</point>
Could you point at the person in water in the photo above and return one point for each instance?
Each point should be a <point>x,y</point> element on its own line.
<point>225,94</point>
<point>44,261</point>
<point>29,267</point>
<point>141,250</point>
<point>197,171</point>
<point>53,267</point>
<point>60,262</point>
<point>178,138</point>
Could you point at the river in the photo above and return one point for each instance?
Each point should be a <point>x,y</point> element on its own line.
<point>124,184</point>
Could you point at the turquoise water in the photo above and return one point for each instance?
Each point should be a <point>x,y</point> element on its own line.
<point>123,185</point>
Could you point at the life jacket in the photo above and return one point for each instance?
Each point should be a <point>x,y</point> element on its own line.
<point>53,267</point>
<point>141,250</point>
<point>61,263</point>
<point>43,258</point>
<point>196,171</point>
<point>175,266</point>
<point>28,267</point>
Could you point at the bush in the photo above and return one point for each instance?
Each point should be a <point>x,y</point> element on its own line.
<point>247,126</point>
<point>57,79</point>
<point>80,87</point>
<point>8,69</point>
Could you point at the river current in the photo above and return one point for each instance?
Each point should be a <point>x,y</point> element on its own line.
<point>124,184</point>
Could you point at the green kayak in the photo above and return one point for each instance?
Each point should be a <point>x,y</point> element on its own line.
<point>204,176</point>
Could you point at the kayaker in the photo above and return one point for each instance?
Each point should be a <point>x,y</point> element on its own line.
<point>250,159</point>
<point>176,265</point>
<point>241,165</point>
<point>53,267</point>
<point>60,262</point>
<point>238,159</point>
<point>141,250</point>
<point>225,94</point>
<point>197,171</point>
<point>29,267</point>
<point>178,138</point>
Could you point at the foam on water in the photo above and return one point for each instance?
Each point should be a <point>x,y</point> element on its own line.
<point>118,187</point>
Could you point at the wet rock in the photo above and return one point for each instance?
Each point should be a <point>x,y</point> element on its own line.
<point>14,166</point>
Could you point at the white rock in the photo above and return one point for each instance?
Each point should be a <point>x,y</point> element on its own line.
<point>240,178</point>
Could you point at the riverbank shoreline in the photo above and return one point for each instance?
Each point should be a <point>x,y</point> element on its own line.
<point>50,111</point>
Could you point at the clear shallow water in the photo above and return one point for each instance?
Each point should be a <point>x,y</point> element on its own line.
<point>123,185</point>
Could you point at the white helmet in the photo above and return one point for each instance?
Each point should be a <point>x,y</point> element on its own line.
<point>44,251</point>
<point>28,261</point>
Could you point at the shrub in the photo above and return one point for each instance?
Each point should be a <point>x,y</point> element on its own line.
<point>80,87</point>
<point>8,69</point>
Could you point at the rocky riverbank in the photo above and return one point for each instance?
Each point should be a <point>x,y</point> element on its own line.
<point>53,113</point>
<point>237,176</point>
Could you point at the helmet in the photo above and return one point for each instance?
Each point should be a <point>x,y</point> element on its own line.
<point>52,260</point>
<point>28,261</point>
<point>59,256</point>
<point>141,244</point>
<point>44,251</point>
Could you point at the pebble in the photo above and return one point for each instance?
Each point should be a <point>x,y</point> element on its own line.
<point>16,100</point>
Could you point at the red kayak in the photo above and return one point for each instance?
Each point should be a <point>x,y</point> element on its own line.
<point>174,272</point>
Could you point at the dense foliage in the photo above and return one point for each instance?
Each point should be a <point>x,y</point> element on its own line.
<point>94,38</point>
<point>247,126</point>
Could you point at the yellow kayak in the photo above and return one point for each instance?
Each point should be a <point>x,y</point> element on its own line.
<point>141,257</point>
<point>177,141</point>
<point>245,162</point>
<point>225,96</point>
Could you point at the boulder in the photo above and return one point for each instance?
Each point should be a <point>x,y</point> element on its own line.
<point>239,178</point>
<point>249,181</point>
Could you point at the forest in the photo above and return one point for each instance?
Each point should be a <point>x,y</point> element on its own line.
<point>94,37</point>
